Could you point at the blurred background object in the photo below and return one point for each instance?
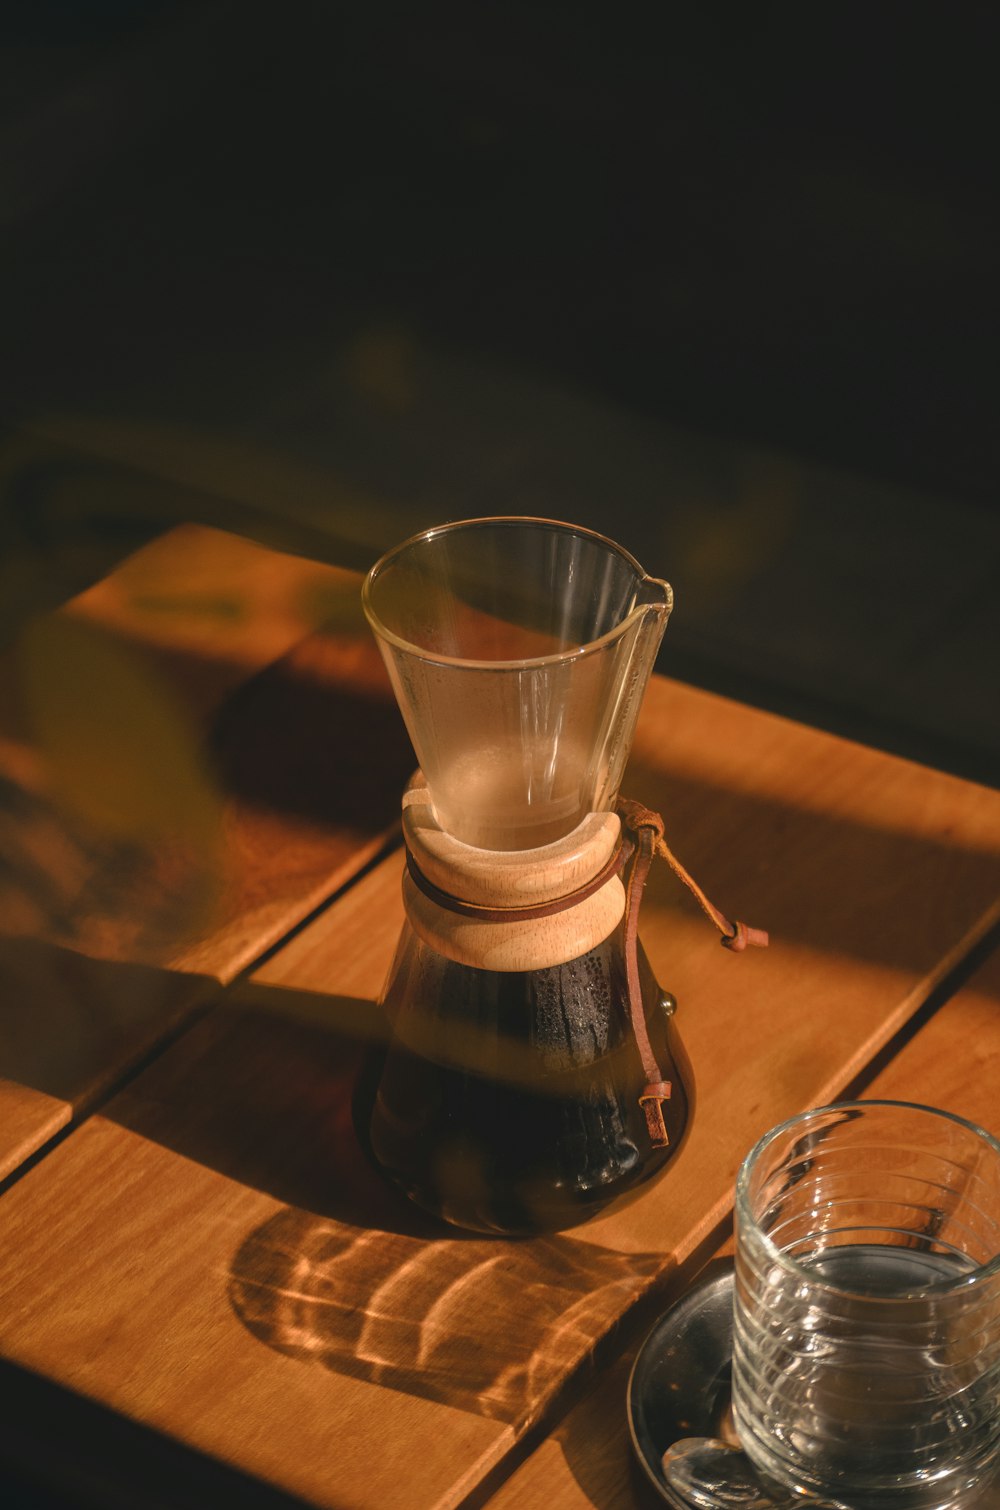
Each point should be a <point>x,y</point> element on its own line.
<point>720,282</point>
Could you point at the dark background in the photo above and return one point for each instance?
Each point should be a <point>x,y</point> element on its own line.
<point>720,281</point>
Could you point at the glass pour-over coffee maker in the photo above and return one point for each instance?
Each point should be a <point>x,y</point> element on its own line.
<point>533,1071</point>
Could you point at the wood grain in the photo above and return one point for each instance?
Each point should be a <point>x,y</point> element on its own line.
<point>214,1258</point>
<point>185,773</point>
<point>953,1062</point>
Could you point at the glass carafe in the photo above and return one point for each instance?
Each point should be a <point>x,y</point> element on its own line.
<point>519,651</point>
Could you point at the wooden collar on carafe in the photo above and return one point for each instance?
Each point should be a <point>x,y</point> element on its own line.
<point>511,910</point>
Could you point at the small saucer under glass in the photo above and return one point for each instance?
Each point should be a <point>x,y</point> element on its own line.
<point>679,1408</point>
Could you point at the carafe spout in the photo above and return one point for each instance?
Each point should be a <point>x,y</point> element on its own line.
<point>643,630</point>
<point>654,593</point>
<point>654,599</point>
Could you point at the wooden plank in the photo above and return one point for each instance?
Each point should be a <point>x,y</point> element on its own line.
<point>237,1278</point>
<point>28,1119</point>
<point>953,1062</point>
<point>194,753</point>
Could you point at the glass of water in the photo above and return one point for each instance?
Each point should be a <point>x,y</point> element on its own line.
<point>866,1342</point>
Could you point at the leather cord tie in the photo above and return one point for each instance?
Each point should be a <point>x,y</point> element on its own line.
<point>642,840</point>
<point>645,828</point>
<point>735,936</point>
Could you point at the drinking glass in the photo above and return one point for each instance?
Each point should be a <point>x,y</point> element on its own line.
<point>866,1344</point>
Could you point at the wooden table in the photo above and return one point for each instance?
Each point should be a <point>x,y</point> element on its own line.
<point>204,1291</point>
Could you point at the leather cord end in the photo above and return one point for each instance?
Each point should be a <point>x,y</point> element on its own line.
<point>743,936</point>
<point>651,1101</point>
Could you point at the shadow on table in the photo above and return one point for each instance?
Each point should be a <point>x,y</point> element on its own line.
<point>163,808</point>
<point>832,883</point>
<point>123,764</point>
<point>69,1024</point>
<point>349,1275</point>
<point>488,1327</point>
<point>105,1461</point>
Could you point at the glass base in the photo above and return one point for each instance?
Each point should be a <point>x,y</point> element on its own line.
<point>508,1101</point>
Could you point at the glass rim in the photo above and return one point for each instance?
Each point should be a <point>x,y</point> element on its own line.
<point>438,658</point>
<point>741,1211</point>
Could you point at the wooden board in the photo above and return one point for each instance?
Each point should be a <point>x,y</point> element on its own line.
<point>212,1256</point>
<point>953,1062</point>
<point>194,753</point>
